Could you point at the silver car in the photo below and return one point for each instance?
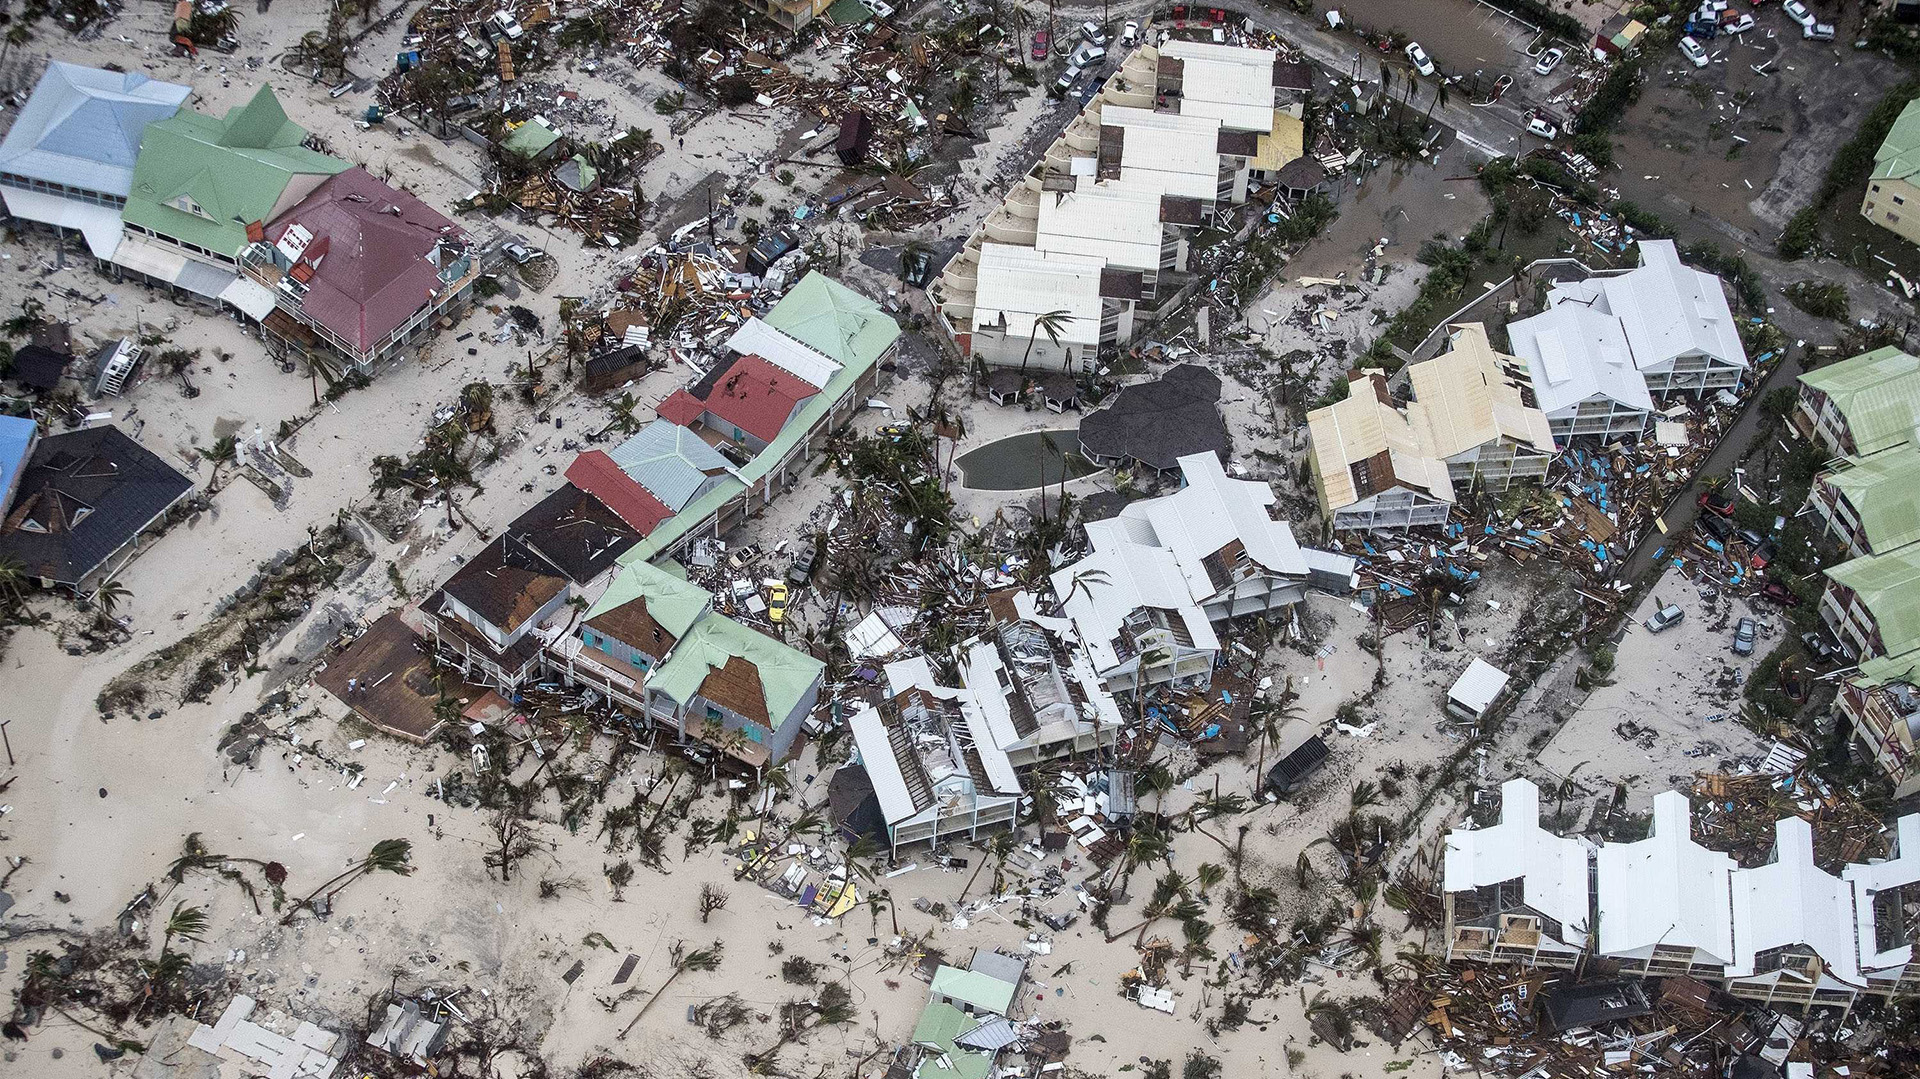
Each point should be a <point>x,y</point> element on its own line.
<point>1744,633</point>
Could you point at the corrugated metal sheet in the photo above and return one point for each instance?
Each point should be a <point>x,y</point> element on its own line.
<point>756,338</point>
<point>82,126</point>
<point>669,461</point>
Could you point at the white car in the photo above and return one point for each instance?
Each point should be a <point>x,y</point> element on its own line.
<point>1541,126</point>
<point>1549,60</point>
<point>1418,55</point>
<point>1130,33</point>
<point>1691,49</point>
<point>507,26</point>
<point>1738,26</point>
<point>1798,12</point>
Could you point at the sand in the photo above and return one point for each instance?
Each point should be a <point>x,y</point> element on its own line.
<point>452,922</point>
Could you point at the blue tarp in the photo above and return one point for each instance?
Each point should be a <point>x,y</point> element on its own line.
<point>16,441</point>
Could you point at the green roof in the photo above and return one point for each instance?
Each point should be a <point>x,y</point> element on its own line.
<point>835,321</point>
<point>1888,585</point>
<point>826,304</point>
<point>1888,669</point>
<point>234,169</point>
<point>983,991</point>
<point>1884,491</point>
<point>785,673</point>
<point>939,1025</point>
<point>1899,155</point>
<point>1879,394</point>
<point>671,601</point>
<point>530,139</point>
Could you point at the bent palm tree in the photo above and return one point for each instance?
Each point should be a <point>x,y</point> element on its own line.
<point>223,451</point>
<point>109,596</point>
<point>387,856</point>
<point>683,961</point>
<point>1049,323</point>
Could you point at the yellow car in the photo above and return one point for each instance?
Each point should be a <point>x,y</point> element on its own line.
<point>776,602</point>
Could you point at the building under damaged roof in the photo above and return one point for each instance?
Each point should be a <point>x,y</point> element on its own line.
<point>1166,569</point>
<point>1607,344</point>
<point>1782,933</point>
<point>1378,463</point>
<point>944,760</point>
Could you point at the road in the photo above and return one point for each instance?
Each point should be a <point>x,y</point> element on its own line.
<point>1495,130</point>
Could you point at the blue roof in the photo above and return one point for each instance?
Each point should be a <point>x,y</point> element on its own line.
<point>82,126</point>
<point>670,461</point>
<point>16,441</point>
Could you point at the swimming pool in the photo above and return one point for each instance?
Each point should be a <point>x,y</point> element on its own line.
<point>1022,462</point>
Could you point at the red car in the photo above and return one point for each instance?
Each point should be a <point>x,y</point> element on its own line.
<point>1041,39</point>
<point>1716,502</point>
<point>1778,592</point>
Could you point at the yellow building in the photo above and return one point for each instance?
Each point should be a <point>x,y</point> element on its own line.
<point>1893,193</point>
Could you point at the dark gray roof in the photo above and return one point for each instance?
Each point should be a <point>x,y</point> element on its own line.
<point>39,367</point>
<point>576,532</point>
<point>83,496</point>
<point>1157,423</point>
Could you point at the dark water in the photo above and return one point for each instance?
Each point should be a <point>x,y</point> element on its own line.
<point>1021,462</point>
<point>1460,35</point>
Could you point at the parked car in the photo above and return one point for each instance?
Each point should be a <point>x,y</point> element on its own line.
<point>1549,60</point>
<point>1693,51</point>
<point>1421,62</point>
<point>1797,11</point>
<point>1539,125</point>
<point>1752,538</point>
<point>1816,643</point>
<point>1041,41</point>
<point>776,602</point>
<point>1762,554</point>
<point>507,26</point>
<point>1717,527</point>
<point>1778,592</point>
<point>1744,632</point>
<point>1093,32</point>
<point>1089,55</point>
<point>801,571</point>
<point>1665,618</point>
<point>1715,501</point>
<point>1820,31</point>
<point>1737,26</point>
<point>1130,33</point>
<point>520,253</point>
<point>1067,78</point>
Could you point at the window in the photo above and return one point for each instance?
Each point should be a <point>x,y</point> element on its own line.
<point>1876,189</point>
<point>1899,201</point>
<point>754,732</point>
<point>713,714</point>
<point>1893,217</point>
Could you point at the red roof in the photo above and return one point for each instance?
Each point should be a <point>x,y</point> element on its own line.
<point>595,473</point>
<point>681,407</point>
<point>369,255</point>
<point>757,397</point>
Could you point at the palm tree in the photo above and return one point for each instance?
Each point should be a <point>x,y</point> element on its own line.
<point>1271,720</point>
<point>23,323</point>
<point>109,596</point>
<point>387,856</point>
<point>1049,323</point>
<point>622,417</point>
<point>683,961</point>
<point>13,582</point>
<point>1439,99</point>
<point>1207,876</point>
<point>910,255</point>
<point>185,923</point>
<point>321,365</point>
<point>571,334</point>
<point>224,449</point>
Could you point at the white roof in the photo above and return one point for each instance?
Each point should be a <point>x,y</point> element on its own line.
<point>872,637</point>
<point>1152,555</point>
<point>1901,869</point>
<point>1178,154</point>
<point>1229,83</point>
<point>1792,901</point>
<point>1113,220</point>
<point>1210,511</point>
<point>1478,685</point>
<point>982,673</point>
<point>1555,867</point>
<point>99,224</point>
<point>1665,889</point>
<point>1668,309</point>
<point>1470,395</point>
<point>883,769</point>
<point>1016,284</point>
<point>756,338</point>
<point>1574,353</point>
